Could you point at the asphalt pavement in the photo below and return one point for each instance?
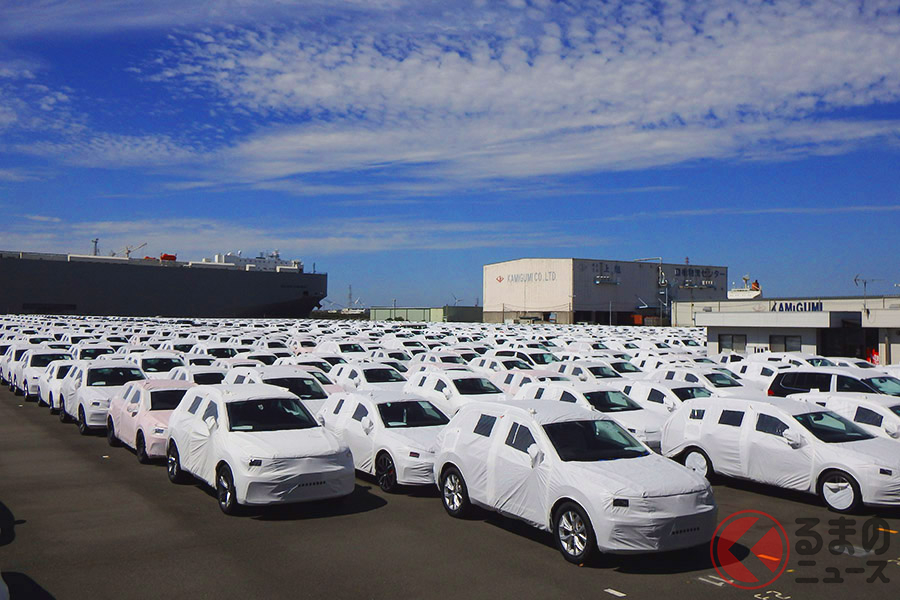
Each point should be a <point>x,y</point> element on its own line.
<point>79,519</point>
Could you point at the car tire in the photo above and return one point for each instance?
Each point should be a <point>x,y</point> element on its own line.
<point>63,415</point>
<point>697,461</point>
<point>454,494</point>
<point>226,493</point>
<point>573,533</point>
<point>53,411</point>
<point>15,389</point>
<point>140,449</point>
<point>839,491</point>
<point>173,465</point>
<point>111,438</point>
<point>386,473</point>
<point>82,422</point>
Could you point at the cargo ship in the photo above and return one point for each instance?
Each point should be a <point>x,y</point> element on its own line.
<point>228,285</point>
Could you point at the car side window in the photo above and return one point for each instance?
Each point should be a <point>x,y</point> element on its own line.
<point>691,377</point>
<point>656,396</point>
<point>485,425</point>
<point>195,405</point>
<point>509,378</point>
<point>577,371</point>
<point>337,408</point>
<point>627,389</point>
<point>849,384</point>
<point>360,412</point>
<point>212,410</point>
<point>731,417</point>
<point>767,372</point>
<point>440,386</point>
<point>868,417</point>
<point>567,397</point>
<point>519,437</point>
<point>539,393</point>
<point>697,414</point>
<point>770,425</point>
<point>239,379</point>
<point>670,375</point>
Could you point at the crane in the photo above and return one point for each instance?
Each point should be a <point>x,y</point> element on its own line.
<point>127,250</point>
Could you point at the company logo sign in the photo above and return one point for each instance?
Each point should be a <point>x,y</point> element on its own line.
<point>798,306</point>
<point>750,549</point>
<point>499,278</point>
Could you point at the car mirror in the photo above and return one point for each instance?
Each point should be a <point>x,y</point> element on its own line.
<point>320,419</point>
<point>892,429</point>
<point>793,439</point>
<point>446,393</point>
<point>211,422</point>
<point>367,425</point>
<point>671,407</point>
<point>537,457</point>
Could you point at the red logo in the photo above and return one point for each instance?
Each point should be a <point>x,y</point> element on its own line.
<point>499,278</point>
<point>761,556</point>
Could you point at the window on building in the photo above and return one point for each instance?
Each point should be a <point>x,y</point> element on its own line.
<point>732,342</point>
<point>785,343</point>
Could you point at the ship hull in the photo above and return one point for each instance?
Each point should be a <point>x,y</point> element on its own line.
<point>138,288</point>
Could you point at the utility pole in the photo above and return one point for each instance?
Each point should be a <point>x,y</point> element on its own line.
<point>95,242</point>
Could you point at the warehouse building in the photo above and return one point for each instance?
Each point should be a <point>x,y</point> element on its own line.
<point>575,290</point>
<point>424,314</point>
<point>862,327</point>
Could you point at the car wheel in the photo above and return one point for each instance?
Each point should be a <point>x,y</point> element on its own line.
<point>63,416</point>
<point>454,494</point>
<point>140,448</point>
<point>15,389</point>
<point>173,465</point>
<point>573,533</point>
<point>53,411</point>
<point>839,491</point>
<point>386,473</point>
<point>697,461</point>
<point>111,438</point>
<point>225,492</point>
<point>82,422</point>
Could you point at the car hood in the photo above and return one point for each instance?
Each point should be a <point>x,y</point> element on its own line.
<point>638,420</point>
<point>423,438</point>
<point>649,476</point>
<point>100,393</point>
<point>296,443</point>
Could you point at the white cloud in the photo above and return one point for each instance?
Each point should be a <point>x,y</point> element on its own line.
<point>741,211</point>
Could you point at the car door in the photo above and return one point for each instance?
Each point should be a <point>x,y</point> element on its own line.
<point>359,433</point>
<point>197,457</point>
<point>515,486</point>
<point>770,457</point>
<point>129,411</point>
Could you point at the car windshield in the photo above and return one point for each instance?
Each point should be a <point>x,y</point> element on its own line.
<point>160,365</point>
<point>885,384</point>
<point>221,352</point>
<point>625,367</point>
<point>721,380</point>
<point>515,363</point>
<point>453,360</point>
<point>266,359</point>
<point>208,378</point>
<point>474,386</point>
<point>166,399</point>
<point>588,441</point>
<point>321,377</point>
<point>413,413</point>
<point>612,401</point>
<point>351,348</point>
<point>603,372</point>
<point>831,428</point>
<point>182,347</point>
<point>269,414</point>
<point>324,365</point>
<point>111,376</point>
<point>398,355</point>
<point>91,353</point>
<point>42,360</point>
<point>382,375</point>
<point>202,362</point>
<point>542,358</point>
<point>335,360</point>
<point>399,366</point>
<point>728,372</point>
<point>820,362</point>
<point>896,410</point>
<point>304,388</point>
<point>686,393</point>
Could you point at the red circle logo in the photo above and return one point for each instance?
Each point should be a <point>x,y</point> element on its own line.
<point>764,549</point>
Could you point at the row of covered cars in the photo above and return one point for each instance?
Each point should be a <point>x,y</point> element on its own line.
<point>560,427</point>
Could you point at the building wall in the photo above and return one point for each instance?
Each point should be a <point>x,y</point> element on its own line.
<point>439,314</point>
<point>758,338</point>
<point>528,285</point>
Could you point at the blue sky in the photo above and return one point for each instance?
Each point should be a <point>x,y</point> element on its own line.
<point>400,144</point>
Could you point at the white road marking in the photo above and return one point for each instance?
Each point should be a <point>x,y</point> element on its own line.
<point>615,593</point>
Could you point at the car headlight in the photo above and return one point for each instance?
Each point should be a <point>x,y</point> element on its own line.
<point>159,430</point>
<point>255,462</point>
<point>96,403</point>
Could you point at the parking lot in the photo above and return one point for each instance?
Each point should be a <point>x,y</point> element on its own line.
<point>82,520</point>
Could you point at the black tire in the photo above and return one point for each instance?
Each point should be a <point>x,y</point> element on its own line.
<point>454,494</point>
<point>15,389</point>
<point>63,416</point>
<point>386,473</point>
<point>53,411</point>
<point>225,491</point>
<point>111,438</point>
<point>173,465</point>
<point>82,422</point>
<point>691,458</point>
<point>573,533</point>
<point>140,449</point>
<point>844,495</point>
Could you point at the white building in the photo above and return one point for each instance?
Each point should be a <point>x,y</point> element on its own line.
<point>866,327</point>
<point>570,290</point>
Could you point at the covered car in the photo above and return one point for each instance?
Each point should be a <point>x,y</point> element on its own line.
<point>138,416</point>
